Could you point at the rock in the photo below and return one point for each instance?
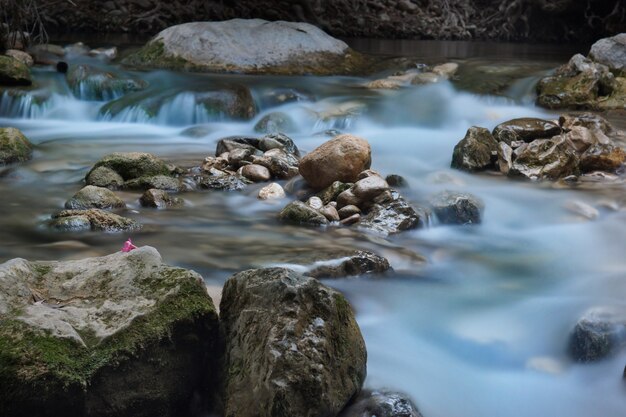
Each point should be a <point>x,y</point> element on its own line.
<point>83,337</point>
<point>46,53</point>
<point>131,165</point>
<point>610,52</point>
<point>446,70</point>
<point>91,219</point>
<point>159,182</point>
<point>391,217</point>
<point>330,212</point>
<point>384,84</point>
<point>369,188</point>
<point>21,56</point>
<point>590,121</point>
<point>349,210</point>
<point>476,151</point>
<point>337,263</point>
<point>505,157</point>
<point>287,158</point>
<point>315,203</point>
<point>279,167</point>
<point>234,101</point>
<point>251,46</point>
<point>256,173</point>
<point>602,157</point>
<point>237,142</point>
<point>340,159</point>
<point>159,199</point>
<point>94,197</point>
<point>13,72</point>
<point>457,208</point>
<point>226,182</point>
<point>549,159</point>
<point>348,198</point>
<point>351,220</point>
<point>576,85</point>
<point>278,141</point>
<point>397,181</point>
<point>104,177</point>
<point>275,122</point>
<point>331,192</point>
<point>271,192</point>
<point>599,333</point>
<point>292,346</point>
<point>299,213</point>
<point>381,403</point>
<point>582,138</point>
<point>368,173</point>
<point>236,158</point>
<point>526,129</point>
<point>106,54</point>
<point>90,83</point>
<point>426,78</point>
<point>14,146</point>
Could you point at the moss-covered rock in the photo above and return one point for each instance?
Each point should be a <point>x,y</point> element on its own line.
<point>477,151</point>
<point>131,165</point>
<point>159,182</point>
<point>122,335</point>
<point>94,197</point>
<point>292,346</point>
<point>297,212</point>
<point>159,199</point>
<point>104,177</point>
<point>90,83</point>
<point>91,219</point>
<point>14,146</point>
<point>14,72</point>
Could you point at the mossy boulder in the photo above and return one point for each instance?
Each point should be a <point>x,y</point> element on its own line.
<point>251,46</point>
<point>90,83</point>
<point>94,197</point>
<point>292,346</point>
<point>14,72</point>
<point>299,213</point>
<point>14,146</point>
<point>129,166</point>
<point>477,151</point>
<point>91,219</point>
<point>104,177</point>
<point>122,335</point>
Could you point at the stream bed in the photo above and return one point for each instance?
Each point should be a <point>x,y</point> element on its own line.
<point>474,321</point>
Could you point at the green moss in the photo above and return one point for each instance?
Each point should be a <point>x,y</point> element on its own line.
<point>14,72</point>
<point>153,55</point>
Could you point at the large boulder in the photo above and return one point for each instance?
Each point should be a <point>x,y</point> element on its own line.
<point>14,72</point>
<point>104,337</point>
<point>600,332</point>
<point>610,52</point>
<point>477,151</point>
<point>251,46</point>
<point>14,146</point>
<point>342,158</point>
<point>292,346</point>
<point>94,197</point>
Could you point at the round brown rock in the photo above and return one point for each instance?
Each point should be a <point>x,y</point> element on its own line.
<point>342,158</point>
<point>256,173</point>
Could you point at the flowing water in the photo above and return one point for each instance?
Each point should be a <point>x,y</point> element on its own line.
<point>479,330</point>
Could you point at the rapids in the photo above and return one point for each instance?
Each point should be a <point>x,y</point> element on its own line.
<point>479,330</point>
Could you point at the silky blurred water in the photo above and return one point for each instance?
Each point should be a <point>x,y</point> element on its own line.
<point>480,330</point>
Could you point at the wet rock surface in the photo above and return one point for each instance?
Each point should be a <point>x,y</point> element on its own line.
<point>336,263</point>
<point>457,208</point>
<point>91,219</point>
<point>82,337</point>
<point>476,151</point>
<point>14,146</point>
<point>94,197</point>
<point>599,333</point>
<point>292,347</point>
<point>156,198</point>
<point>381,403</point>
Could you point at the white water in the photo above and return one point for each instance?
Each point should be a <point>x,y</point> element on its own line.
<point>479,331</point>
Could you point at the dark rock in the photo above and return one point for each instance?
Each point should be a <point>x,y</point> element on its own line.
<point>275,122</point>
<point>598,334</point>
<point>279,141</point>
<point>338,263</point>
<point>159,199</point>
<point>347,198</point>
<point>369,188</point>
<point>347,211</point>
<point>457,208</point>
<point>159,182</point>
<point>104,177</point>
<point>226,182</point>
<point>237,142</point>
<point>331,192</point>
<point>549,159</point>
<point>297,212</point>
<point>235,102</point>
<point>381,403</point>
<point>393,216</point>
<point>526,129</point>
<point>94,197</point>
<point>397,181</point>
<point>82,337</point>
<point>91,219</point>
<point>477,151</point>
<point>14,146</point>
<point>91,83</point>
<point>350,220</point>
<point>292,346</point>
<point>602,157</point>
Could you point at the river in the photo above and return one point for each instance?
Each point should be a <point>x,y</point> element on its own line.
<point>478,330</point>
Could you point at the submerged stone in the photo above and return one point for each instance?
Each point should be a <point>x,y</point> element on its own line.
<point>599,333</point>
<point>457,208</point>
